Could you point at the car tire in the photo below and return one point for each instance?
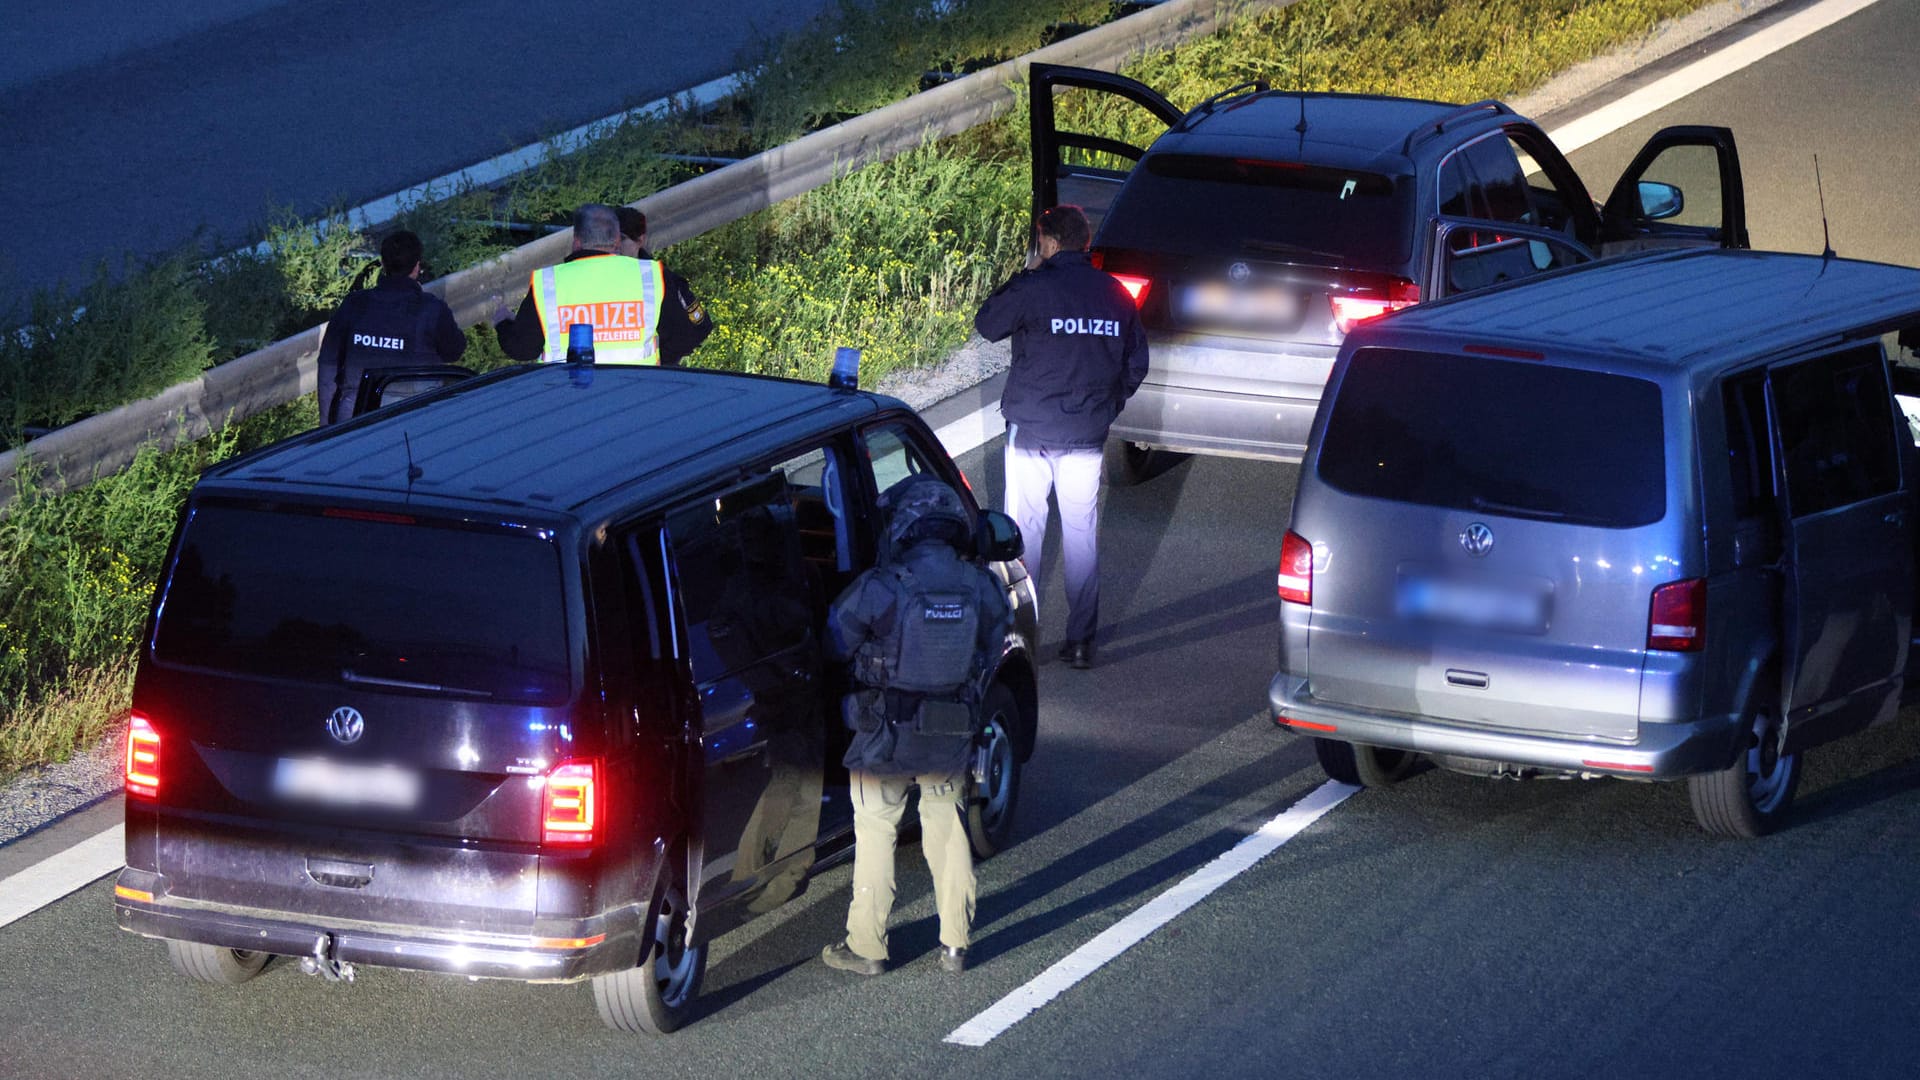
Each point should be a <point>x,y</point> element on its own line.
<point>994,794</point>
<point>1337,760</point>
<point>1751,797</point>
<point>213,964</point>
<point>1378,766</point>
<point>1129,463</point>
<point>656,996</point>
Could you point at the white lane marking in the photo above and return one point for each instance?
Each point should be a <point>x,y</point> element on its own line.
<point>1670,88</point>
<point>57,875</point>
<point>972,431</point>
<point>1159,911</point>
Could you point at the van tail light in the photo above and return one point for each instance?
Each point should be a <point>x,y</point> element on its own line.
<point>570,804</point>
<point>143,758</point>
<point>1136,287</point>
<point>1351,311</point>
<point>1677,618</point>
<point>1296,569</point>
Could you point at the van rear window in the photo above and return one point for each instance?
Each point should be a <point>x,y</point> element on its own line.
<point>1498,437</point>
<point>372,600</point>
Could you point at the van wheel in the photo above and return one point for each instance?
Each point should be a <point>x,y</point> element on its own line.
<point>1378,767</point>
<point>1750,798</point>
<point>1337,760</point>
<point>213,964</point>
<point>995,793</point>
<point>1129,463</point>
<point>656,996</point>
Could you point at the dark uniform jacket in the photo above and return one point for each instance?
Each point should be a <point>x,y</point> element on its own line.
<point>683,322</point>
<point>1079,351</point>
<point>392,324</point>
<point>868,611</point>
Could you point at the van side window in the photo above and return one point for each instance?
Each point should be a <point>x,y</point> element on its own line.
<point>893,455</point>
<point>817,485</point>
<point>740,577</point>
<point>1903,348</point>
<point>1835,417</point>
<point>1749,453</point>
<point>631,628</point>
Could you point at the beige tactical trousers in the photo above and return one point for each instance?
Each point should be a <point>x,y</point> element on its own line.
<point>878,804</point>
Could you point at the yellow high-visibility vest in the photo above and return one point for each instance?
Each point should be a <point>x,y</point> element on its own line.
<point>620,296</point>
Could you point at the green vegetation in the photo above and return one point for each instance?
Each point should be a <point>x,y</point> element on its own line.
<point>892,258</point>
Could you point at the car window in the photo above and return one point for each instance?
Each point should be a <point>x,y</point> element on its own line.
<point>1549,204</point>
<point>1497,437</point>
<point>1475,258</point>
<point>1219,206</point>
<point>743,588</point>
<point>1484,180</point>
<point>356,598</point>
<point>1836,428</point>
<point>893,455</point>
<point>1695,170</point>
<point>822,513</point>
<point>1749,449</point>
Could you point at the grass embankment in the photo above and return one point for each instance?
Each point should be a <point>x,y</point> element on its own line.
<point>892,259</point>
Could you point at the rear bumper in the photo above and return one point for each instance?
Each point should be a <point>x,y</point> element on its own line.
<point>1238,398</point>
<point>1662,751</point>
<point>559,950</point>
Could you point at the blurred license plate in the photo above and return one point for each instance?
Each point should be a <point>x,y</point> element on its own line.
<point>317,780</point>
<point>1215,302</point>
<point>1477,604</point>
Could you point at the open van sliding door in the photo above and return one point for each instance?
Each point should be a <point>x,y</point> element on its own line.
<point>1849,543</point>
<point>1061,176</point>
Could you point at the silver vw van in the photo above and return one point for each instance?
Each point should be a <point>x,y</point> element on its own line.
<point>1649,518</point>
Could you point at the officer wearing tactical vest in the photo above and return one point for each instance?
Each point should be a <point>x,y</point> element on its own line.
<point>921,628</point>
<point>625,300</point>
<point>393,324</point>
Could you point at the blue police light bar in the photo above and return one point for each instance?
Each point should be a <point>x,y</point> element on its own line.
<point>846,369</point>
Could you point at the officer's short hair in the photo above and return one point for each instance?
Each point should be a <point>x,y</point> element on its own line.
<point>1067,224</point>
<point>399,253</point>
<point>595,225</point>
<point>633,223</point>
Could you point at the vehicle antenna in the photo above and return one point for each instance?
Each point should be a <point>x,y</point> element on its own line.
<point>1301,127</point>
<point>1826,238</point>
<point>414,472</point>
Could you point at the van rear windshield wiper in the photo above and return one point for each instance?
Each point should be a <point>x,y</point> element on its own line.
<point>352,676</point>
<point>1493,506</point>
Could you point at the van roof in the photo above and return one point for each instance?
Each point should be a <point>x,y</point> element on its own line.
<point>1679,309</point>
<point>549,437</point>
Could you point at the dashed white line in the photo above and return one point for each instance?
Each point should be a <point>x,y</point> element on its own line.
<point>1157,912</point>
<point>57,875</point>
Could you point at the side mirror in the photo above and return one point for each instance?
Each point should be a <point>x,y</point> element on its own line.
<point>997,538</point>
<point>1660,201</point>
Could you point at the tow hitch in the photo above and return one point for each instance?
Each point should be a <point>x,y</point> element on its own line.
<point>325,961</point>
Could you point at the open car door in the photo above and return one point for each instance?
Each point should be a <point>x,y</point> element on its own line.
<point>1682,190</point>
<point>1080,168</point>
<point>387,385</point>
<point>1471,254</point>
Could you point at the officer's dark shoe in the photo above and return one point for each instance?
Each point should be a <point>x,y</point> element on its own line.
<point>1078,654</point>
<point>952,959</point>
<point>845,959</point>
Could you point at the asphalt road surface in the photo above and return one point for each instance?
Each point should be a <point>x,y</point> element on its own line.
<point>1449,927</point>
<point>135,129</point>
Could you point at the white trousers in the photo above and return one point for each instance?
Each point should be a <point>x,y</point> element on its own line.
<point>1073,478</point>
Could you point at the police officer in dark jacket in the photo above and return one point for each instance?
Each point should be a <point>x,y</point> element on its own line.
<point>922,628</point>
<point>1079,352</point>
<point>393,324</point>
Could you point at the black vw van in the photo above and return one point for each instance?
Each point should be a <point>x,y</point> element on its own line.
<point>523,679</point>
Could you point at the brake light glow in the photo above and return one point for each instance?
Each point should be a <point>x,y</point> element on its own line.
<point>1136,287</point>
<point>382,517</point>
<point>143,758</point>
<point>569,803</point>
<point>1351,311</point>
<point>1296,569</point>
<point>1677,617</point>
<point>1291,721</point>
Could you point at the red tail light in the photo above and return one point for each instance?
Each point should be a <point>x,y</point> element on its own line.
<point>1677,618</point>
<point>1136,287</point>
<point>1296,569</point>
<point>570,804</point>
<point>143,758</point>
<point>1351,311</point>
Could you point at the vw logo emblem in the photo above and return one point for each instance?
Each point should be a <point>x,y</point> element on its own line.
<point>346,725</point>
<point>1477,540</point>
<point>1238,271</point>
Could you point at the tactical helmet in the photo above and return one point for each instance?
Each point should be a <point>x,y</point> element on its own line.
<point>924,507</point>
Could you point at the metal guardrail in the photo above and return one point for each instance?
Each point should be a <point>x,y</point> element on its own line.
<point>103,444</point>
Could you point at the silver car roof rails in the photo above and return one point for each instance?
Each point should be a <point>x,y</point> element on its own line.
<point>1439,125</point>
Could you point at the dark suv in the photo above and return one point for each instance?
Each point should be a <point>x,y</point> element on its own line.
<point>523,679</point>
<point>1264,224</point>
